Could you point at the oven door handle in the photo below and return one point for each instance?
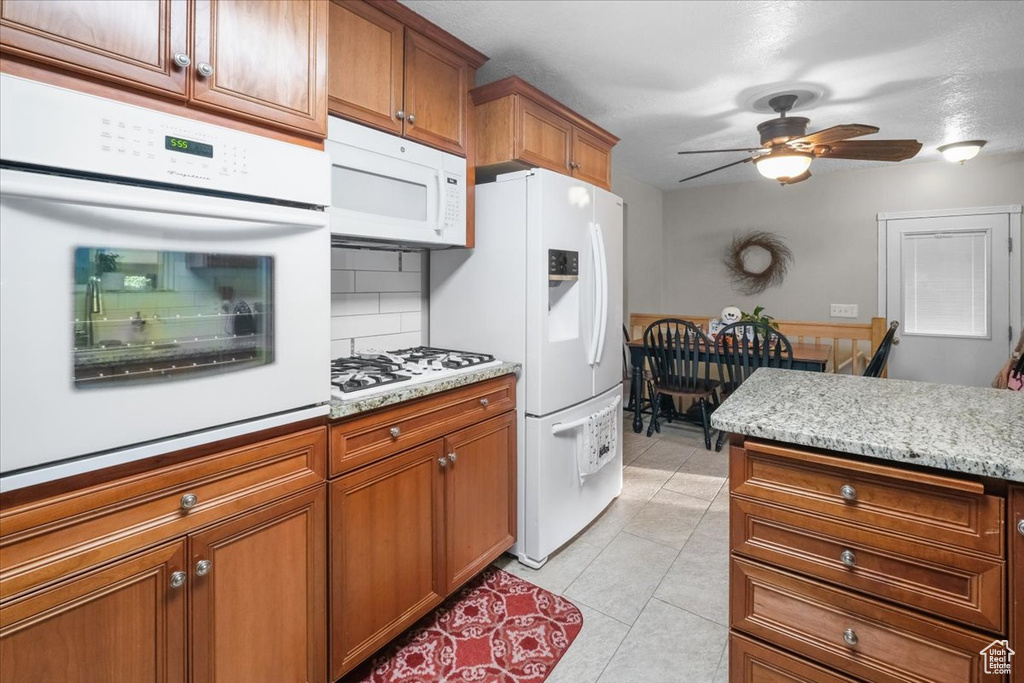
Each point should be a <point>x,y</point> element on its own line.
<point>296,218</point>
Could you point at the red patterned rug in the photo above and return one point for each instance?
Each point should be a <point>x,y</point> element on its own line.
<point>497,629</point>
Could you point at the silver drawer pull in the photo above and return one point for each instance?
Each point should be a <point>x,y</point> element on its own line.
<point>188,501</point>
<point>182,59</point>
<point>395,431</point>
<point>848,493</point>
<point>442,461</point>
<point>203,567</point>
<point>848,558</point>
<point>451,457</point>
<point>850,637</point>
<point>484,402</point>
<point>1020,527</point>
<point>178,579</point>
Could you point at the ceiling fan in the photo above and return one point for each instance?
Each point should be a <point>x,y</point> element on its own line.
<point>787,149</point>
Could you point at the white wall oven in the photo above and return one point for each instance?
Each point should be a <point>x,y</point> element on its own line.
<point>162,282</point>
<point>386,189</point>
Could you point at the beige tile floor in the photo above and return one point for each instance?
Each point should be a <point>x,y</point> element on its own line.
<point>651,573</point>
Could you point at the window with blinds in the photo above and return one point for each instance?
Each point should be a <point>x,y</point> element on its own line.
<point>946,283</point>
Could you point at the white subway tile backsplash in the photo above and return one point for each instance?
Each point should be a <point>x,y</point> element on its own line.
<point>363,259</point>
<point>412,262</point>
<point>365,325</point>
<point>400,302</point>
<point>355,304</point>
<point>411,322</point>
<point>390,342</point>
<point>343,281</point>
<point>341,347</point>
<point>377,281</point>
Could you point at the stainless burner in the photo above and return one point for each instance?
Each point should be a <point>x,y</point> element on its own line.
<point>373,368</point>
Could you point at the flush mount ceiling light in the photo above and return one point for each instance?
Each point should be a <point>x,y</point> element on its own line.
<point>962,151</point>
<point>782,163</point>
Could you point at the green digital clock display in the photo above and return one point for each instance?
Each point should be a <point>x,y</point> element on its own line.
<point>200,149</point>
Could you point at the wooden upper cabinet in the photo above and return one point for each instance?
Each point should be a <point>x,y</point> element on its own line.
<point>436,83</point>
<point>366,53</point>
<point>130,43</point>
<point>124,622</point>
<point>480,505</point>
<point>516,126</point>
<point>259,607</point>
<point>264,60</point>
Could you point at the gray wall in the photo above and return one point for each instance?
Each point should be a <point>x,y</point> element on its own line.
<point>644,224</point>
<point>829,222</point>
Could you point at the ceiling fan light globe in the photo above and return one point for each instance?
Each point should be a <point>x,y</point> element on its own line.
<point>783,164</point>
<point>959,152</point>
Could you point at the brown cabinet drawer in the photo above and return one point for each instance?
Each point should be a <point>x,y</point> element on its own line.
<point>909,503</point>
<point>754,662</point>
<point>59,536</point>
<point>886,644</point>
<point>960,586</point>
<point>365,439</point>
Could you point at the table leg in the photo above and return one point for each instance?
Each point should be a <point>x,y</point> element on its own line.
<point>638,397</point>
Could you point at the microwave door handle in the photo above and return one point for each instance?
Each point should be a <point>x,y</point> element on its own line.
<point>111,200</point>
<point>441,203</point>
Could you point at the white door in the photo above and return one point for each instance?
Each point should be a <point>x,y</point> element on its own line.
<point>948,285</point>
<point>561,319</point>
<point>608,223</point>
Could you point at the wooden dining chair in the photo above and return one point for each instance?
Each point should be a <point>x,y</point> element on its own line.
<point>876,366</point>
<point>743,347</point>
<point>679,359</point>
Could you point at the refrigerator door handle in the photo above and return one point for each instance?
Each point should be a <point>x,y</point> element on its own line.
<point>604,293</point>
<point>592,351</point>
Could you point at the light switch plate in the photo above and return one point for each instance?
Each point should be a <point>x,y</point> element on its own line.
<point>842,310</point>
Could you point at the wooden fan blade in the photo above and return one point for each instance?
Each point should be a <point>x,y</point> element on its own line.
<point>834,134</point>
<point>796,179</point>
<point>735,163</point>
<point>870,150</point>
<point>715,151</point>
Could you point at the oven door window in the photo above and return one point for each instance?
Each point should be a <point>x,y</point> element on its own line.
<point>147,316</point>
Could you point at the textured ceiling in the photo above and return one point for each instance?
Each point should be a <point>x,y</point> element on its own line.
<point>668,76</point>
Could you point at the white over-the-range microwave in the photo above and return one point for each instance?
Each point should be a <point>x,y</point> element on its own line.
<point>388,190</point>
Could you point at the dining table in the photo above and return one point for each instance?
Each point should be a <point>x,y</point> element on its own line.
<point>808,357</point>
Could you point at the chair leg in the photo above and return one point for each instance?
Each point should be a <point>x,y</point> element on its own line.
<point>704,423</point>
<point>655,399</point>
<point>718,444</point>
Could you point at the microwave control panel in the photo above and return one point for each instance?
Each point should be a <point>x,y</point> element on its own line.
<point>455,199</point>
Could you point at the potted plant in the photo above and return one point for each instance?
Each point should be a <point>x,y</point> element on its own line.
<point>758,316</point>
<point>106,268</point>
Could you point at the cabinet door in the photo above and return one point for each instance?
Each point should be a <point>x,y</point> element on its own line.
<point>259,606</point>
<point>386,552</point>
<point>542,138</point>
<point>436,100</point>
<point>1016,574</point>
<point>592,159</point>
<point>265,60</point>
<point>480,496</point>
<point>125,622</point>
<point>365,78</point>
<point>129,43</point>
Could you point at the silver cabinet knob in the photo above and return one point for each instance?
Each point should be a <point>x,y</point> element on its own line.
<point>203,567</point>
<point>848,492</point>
<point>850,637</point>
<point>399,114</point>
<point>395,431</point>
<point>484,402</point>
<point>188,501</point>
<point>204,69</point>
<point>182,59</point>
<point>1020,527</point>
<point>848,558</point>
<point>178,579</point>
<point>412,118</point>
<point>451,457</point>
<point>442,461</point>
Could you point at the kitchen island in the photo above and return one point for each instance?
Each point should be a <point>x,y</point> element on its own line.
<point>876,529</point>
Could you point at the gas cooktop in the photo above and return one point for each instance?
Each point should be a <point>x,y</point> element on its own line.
<point>367,372</point>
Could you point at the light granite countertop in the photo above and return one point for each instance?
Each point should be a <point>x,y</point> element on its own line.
<point>960,429</point>
<point>407,392</point>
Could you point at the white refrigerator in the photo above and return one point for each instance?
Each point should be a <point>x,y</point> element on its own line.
<point>543,287</point>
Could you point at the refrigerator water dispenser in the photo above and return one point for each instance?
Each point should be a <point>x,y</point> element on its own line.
<point>563,294</point>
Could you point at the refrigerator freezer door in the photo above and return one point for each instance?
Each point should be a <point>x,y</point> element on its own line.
<point>608,219</point>
<point>557,506</point>
<point>560,313</point>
